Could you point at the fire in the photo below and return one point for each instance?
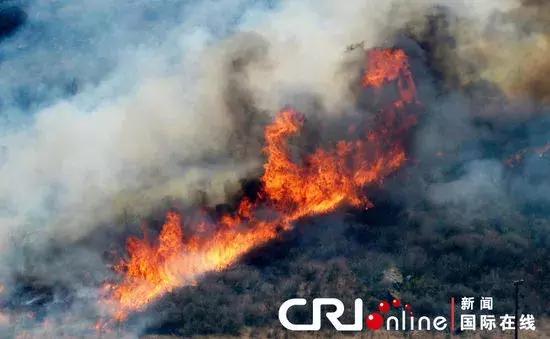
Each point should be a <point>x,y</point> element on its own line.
<point>387,65</point>
<point>319,183</point>
<point>153,270</point>
<point>148,264</point>
<point>327,177</point>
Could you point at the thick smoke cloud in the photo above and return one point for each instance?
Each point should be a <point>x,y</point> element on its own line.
<point>151,119</point>
<point>137,127</point>
<point>502,44</point>
<point>107,108</point>
<point>489,104</point>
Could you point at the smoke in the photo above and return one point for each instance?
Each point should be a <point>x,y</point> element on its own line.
<point>146,119</point>
<point>489,95</point>
<point>517,68</point>
<point>139,128</point>
<point>107,108</point>
<point>502,44</point>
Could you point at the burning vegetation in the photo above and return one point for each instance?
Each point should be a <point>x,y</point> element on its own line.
<point>291,189</point>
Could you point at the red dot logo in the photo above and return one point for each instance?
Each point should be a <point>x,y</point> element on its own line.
<point>384,307</point>
<point>409,308</point>
<point>374,321</point>
<point>396,303</point>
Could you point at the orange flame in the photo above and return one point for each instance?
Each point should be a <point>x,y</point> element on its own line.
<point>387,65</point>
<point>318,184</point>
<point>327,177</point>
<point>153,271</point>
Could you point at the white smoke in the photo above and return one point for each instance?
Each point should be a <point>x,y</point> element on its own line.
<point>150,126</point>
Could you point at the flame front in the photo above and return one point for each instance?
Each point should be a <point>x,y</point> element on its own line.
<point>319,183</point>
<point>327,177</point>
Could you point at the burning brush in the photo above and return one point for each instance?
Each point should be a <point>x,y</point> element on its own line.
<point>290,190</point>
